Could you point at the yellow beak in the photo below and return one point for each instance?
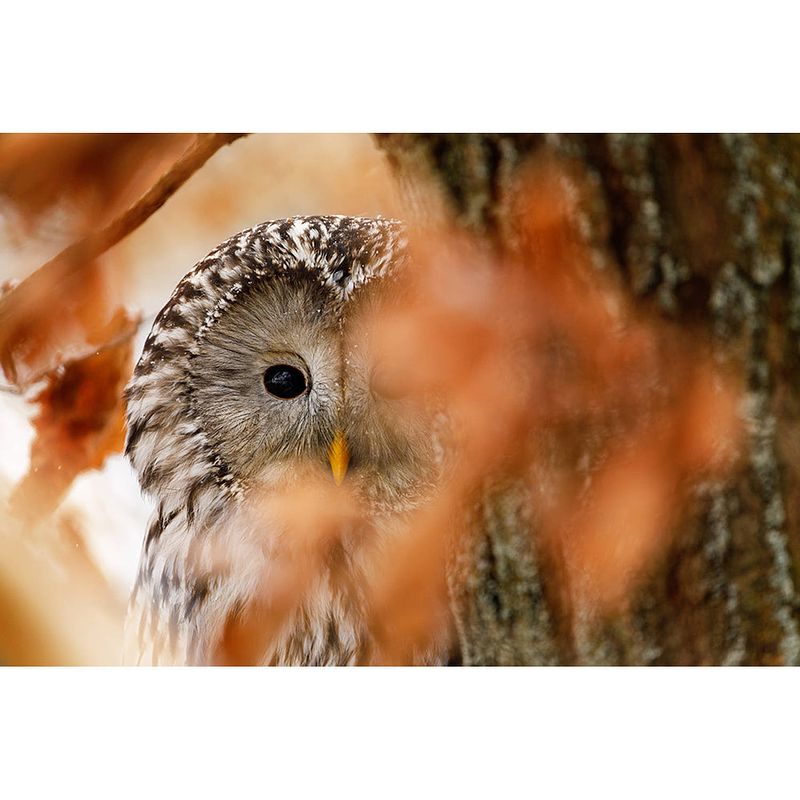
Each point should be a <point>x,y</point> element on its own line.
<point>339,457</point>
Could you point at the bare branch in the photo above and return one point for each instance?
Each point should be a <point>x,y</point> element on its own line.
<point>69,263</point>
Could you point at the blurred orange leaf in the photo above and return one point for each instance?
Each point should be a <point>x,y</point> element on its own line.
<point>81,421</point>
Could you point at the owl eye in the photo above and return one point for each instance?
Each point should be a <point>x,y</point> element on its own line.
<point>284,381</point>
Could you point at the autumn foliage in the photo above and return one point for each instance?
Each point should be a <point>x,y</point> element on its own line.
<point>610,415</point>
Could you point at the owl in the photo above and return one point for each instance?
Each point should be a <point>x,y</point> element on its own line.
<point>280,467</point>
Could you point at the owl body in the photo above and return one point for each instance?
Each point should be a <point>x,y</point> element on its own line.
<point>251,402</point>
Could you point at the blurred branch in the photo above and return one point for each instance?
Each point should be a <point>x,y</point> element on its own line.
<point>69,263</point>
<point>74,621</point>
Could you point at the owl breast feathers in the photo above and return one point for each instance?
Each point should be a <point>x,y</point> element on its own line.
<point>280,473</point>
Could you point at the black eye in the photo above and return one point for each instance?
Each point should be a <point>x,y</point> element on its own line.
<point>284,381</point>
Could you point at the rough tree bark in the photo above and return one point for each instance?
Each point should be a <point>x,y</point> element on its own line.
<point>706,230</point>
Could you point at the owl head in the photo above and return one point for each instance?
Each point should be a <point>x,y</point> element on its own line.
<point>260,370</point>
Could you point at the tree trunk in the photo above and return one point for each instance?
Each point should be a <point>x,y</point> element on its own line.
<point>703,230</point>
